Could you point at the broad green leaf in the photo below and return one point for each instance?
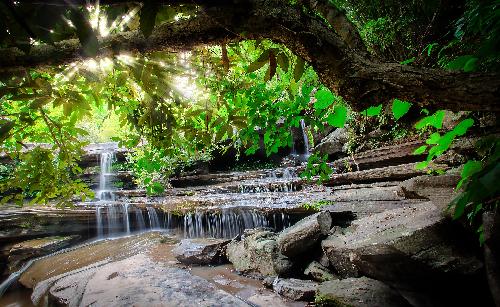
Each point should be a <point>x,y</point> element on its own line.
<point>324,98</point>
<point>435,120</point>
<point>400,108</point>
<point>299,69</point>
<point>463,126</point>
<point>469,169</point>
<point>338,117</point>
<point>433,138</point>
<point>471,65</point>
<point>372,111</point>
<point>420,150</point>
<point>421,165</point>
<point>261,61</point>
<point>459,63</point>
<point>283,61</point>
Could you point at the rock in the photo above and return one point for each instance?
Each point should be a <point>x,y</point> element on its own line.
<point>332,144</point>
<point>358,292</point>
<point>24,251</point>
<point>305,234</point>
<point>201,251</point>
<point>439,189</point>
<point>268,281</point>
<point>318,272</point>
<point>134,281</point>
<point>380,157</point>
<point>295,289</point>
<point>257,253</point>
<point>410,243</point>
<point>389,173</point>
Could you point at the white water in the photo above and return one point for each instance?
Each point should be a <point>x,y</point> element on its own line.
<point>304,136</point>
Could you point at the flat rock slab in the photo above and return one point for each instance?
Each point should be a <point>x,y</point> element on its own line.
<point>30,249</point>
<point>134,281</point>
<point>201,251</point>
<point>358,292</point>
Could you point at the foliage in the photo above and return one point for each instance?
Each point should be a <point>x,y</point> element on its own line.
<point>317,168</point>
<point>479,184</point>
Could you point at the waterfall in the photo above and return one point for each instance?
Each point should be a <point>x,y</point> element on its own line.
<point>105,192</point>
<point>99,223</point>
<point>229,223</point>
<point>154,220</point>
<point>304,136</point>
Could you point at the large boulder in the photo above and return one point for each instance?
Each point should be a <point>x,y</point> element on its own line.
<point>305,234</point>
<point>134,281</point>
<point>333,144</point>
<point>295,289</point>
<point>358,292</point>
<point>396,242</point>
<point>318,272</point>
<point>256,252</point>
<point>413,249</point>
<point>201,251</point>
<point>24,251</point>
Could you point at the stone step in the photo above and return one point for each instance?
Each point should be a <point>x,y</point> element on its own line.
<point>389,173</point>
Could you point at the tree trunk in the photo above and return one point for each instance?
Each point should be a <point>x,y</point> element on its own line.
<point>491,224</point>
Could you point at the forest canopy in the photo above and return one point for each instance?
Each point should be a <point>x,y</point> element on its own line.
<point>189,78</point>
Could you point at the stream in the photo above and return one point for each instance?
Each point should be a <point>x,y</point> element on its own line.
<point>122,222</point>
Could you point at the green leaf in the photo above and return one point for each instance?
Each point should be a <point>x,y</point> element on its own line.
<point>338,117</point>
<point>421,165</point>
<point>324,98</point>
<point>372,111</point>
<point>435,120</point>
<point>420,150</point>
<point>433,138</point>
<point>299,69</point>
<point>148,17</point>
<point>459,63</point>
<point>283,62</point>
<point>408,61</point>
<point>400,108</point>
<point>463,126</point>
<point>471,65</point>
<point>470,168</point>
<point>261,61</point>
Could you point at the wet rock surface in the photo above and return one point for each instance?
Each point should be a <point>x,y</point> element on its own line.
<point>201,251</point>
<point>24,251</point>
<point>134,281</point>
<point>257,252</point>
<point>398,242</point>
<point>358,292</point>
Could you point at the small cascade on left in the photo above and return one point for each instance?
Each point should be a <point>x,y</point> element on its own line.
<point>111,217</point>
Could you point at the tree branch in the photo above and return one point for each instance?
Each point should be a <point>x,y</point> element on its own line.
<point>361,81</point>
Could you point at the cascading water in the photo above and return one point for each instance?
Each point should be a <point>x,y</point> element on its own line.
<point>106,161</point>
<point>304,136</point>
<point>154,220</point>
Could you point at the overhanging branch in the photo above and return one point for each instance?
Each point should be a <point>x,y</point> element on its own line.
<point>345,70</point>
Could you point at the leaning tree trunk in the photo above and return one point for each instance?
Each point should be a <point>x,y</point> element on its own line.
<point>342,64</point>
<point>491,224</point>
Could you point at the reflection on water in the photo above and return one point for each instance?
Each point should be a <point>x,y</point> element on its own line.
<point>17,297</point>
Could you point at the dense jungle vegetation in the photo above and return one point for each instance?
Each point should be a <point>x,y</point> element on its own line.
<point>182,81</point>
